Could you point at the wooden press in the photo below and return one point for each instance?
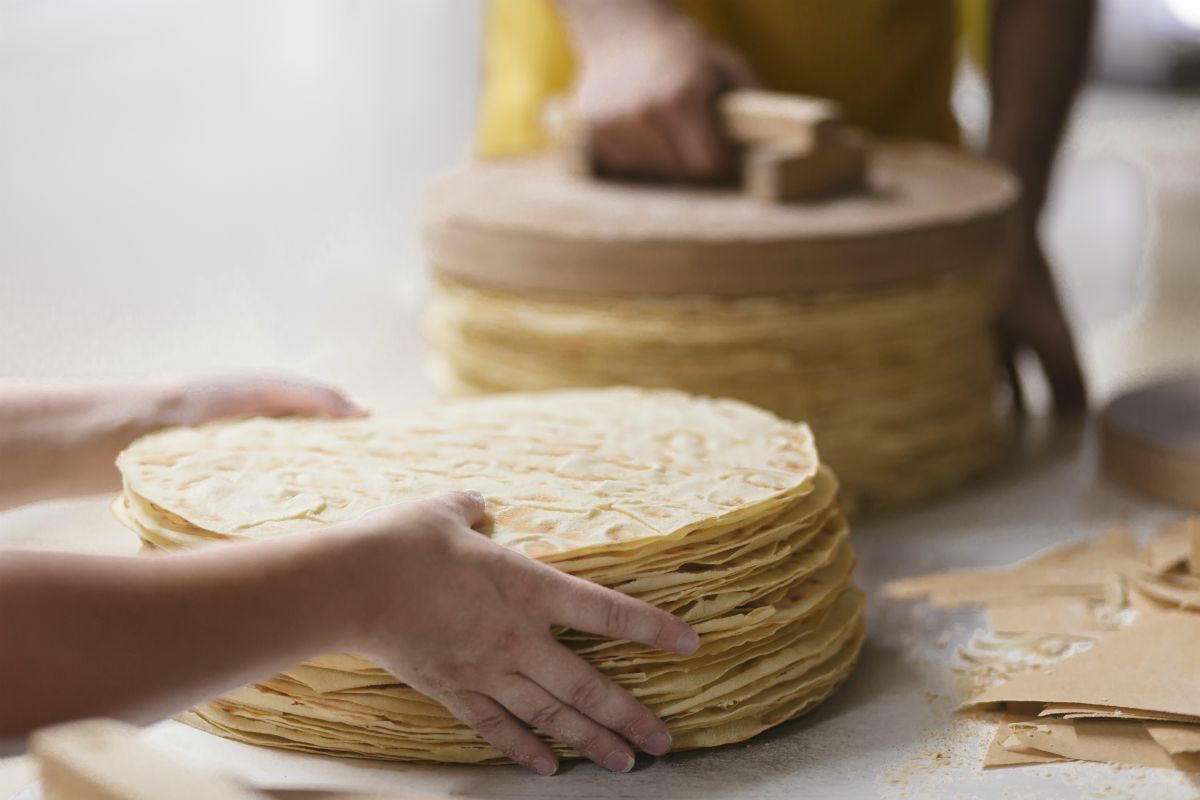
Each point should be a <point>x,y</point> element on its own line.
<point>846,282</point>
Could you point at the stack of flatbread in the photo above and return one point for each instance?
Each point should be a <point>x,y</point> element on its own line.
<point>897,378</point>
<point>866,314</point>
<point>711,509</point>
<point>1119,621</point>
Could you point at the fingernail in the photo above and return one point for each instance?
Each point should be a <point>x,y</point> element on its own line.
<point>354,409</point>
<point>544,766</point>
<point>658,744</point>
<point>688,642</point>
<point>618,761</point>
<point>475,495</point>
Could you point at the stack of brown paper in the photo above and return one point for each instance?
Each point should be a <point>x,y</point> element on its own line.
<point>1132,696</point>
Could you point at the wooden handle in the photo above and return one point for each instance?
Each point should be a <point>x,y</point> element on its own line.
<point>755,118</point>
<point>794,148</point>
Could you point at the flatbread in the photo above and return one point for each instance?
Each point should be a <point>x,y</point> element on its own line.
<point>908,388</point>
<point>564,473</point>
<point>711,509</point>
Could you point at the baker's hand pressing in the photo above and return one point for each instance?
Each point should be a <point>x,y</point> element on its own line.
<point>467,622</point>
<point>648,87</point>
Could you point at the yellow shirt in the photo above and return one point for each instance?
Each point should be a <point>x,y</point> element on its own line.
<point>890,63</point>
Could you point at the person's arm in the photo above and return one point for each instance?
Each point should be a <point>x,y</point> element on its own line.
<point>412,587</point>
<point>647,88</point>
<point>1039,56</point>
<point>60,440</point>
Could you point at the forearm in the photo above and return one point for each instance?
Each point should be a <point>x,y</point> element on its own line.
<point>59,440</point>
<point>141,638</point>
<point>1039,58</point>
<point>594,25</point>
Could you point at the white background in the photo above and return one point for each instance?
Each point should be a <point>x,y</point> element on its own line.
<point>201,185</point>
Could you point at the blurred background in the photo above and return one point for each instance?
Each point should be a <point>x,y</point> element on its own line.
<point>204,185</point>
<point>200,186</point>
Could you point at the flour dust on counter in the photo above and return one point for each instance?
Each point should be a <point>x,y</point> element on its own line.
<point>1091,649</point>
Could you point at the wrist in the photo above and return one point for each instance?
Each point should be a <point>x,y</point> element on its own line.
<point>1030,165</point>
<point>359,574</point>
<point>304,588</point>
<point>106,420</point>
<point>168,405</point>
<point>599,28</point>
<point>389,562</point>
<point>336,587</point>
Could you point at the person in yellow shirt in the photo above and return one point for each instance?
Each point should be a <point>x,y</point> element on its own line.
<point>644,74</point>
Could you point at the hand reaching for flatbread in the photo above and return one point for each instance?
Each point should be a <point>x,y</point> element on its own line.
<point>455,615</point>
<point>60,439</point>
<point>200,401</point>
<point>468,622</point>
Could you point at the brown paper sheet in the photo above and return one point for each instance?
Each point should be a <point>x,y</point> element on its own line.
<point>1153,666</point>
<point>1077,569</point>
<point>1062,616</point>
<point>1000,756</point>
<point>1171,546</point>
<point>1147,607</point>
<point>1078,710</point>
<point>1176,591</point>
<point>1194,550</point>
<point>1107,740</point>
<point>1175,737</point>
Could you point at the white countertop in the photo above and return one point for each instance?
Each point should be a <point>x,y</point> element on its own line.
<point>889,732</point>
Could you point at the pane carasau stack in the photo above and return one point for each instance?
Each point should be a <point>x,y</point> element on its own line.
<point>869,314</point>
<point>712,509</point>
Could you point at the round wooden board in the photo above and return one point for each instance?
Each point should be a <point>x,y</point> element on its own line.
<point>1150,440</point>
<point>528,224</point>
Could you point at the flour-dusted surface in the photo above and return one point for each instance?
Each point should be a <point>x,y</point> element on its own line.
<point>309,286</point>
<point>890,732</point>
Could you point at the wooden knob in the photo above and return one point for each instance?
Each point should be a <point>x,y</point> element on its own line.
<point>795,148</point>
<point>752,117</point>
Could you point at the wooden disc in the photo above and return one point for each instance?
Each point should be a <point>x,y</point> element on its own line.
<point>1150,440</point>
<point>528,224</point>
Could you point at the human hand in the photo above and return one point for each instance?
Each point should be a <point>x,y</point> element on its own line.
<point>647,91</point>
<point>1032,318</point>
<point>467,622</point>
<point>66,436</point>
<point>199,401</point>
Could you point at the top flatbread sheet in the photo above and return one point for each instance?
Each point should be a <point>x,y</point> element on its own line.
<point>564,473</point>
